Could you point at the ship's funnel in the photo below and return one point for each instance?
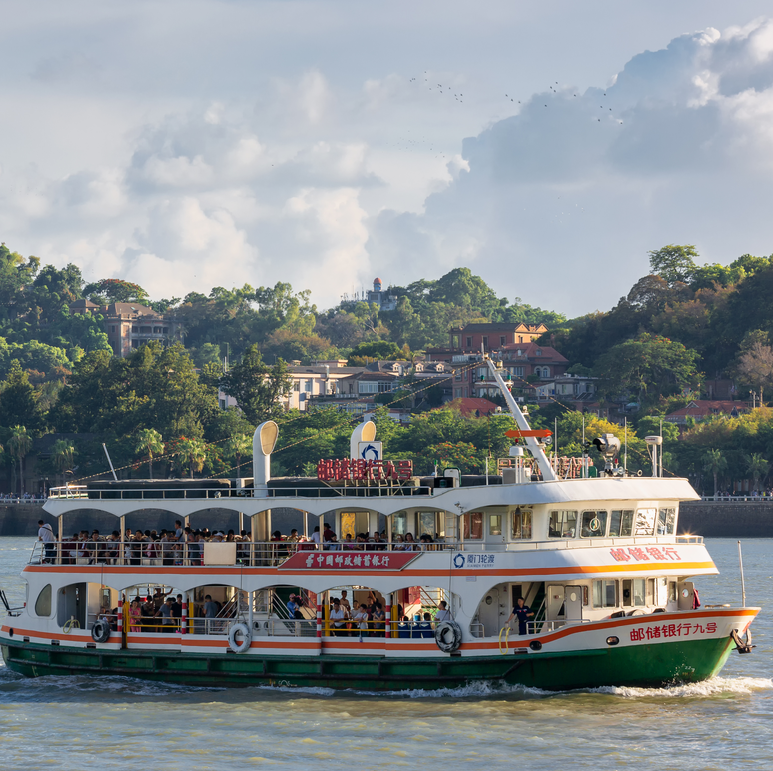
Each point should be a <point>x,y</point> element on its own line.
<point>365,432</point>
<point>263,443</point>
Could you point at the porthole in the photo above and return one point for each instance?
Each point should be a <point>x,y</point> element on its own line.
<point>613,640</point>
<point>573,597</point>
<point>535,645</point>
<point>489,600</point>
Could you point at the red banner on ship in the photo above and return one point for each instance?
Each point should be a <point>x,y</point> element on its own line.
<point>347,560</point>
<point>345,470</point>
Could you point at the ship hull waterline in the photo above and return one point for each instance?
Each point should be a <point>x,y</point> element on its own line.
<point>645,665</point>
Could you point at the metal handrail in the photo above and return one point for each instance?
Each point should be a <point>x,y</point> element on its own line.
<point>81,492</point>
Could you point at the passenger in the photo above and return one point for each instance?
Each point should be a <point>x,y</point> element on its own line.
<point>294,608</point>
<point>165,611</point>
<point>178,529</point>
<point>522,612</point>
<point>333,544</point>
<point>379,620</point>
<point>397,543</point>
<point>345,600</point>
<point>403,627</point>
<point>46,535</point>
<point>147,612</point>
<point>410,544</point>
<point>328,533</point>
<point>134,615</point>
<point>210,607</point>
<point>348,544</point>
<point>113,547</point>
<point>338,617</point>
<point>315,537</point>
<point>378,544</point>
<point>294,537</point>
<point>361,620</point>
<point>443,614</point>
<point>425,626</point>
<point>177,611</point>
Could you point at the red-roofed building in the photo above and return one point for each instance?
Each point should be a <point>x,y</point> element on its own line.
<point>473,407</point>
<point>700,409</point>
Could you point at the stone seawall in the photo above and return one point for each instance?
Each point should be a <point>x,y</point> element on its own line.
<point>717,519</point>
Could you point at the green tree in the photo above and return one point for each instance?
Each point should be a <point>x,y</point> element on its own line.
<point>238,446</point>
<point>18,405</point>
<point>758,467</point>
<point>62,455</point>
<point>715,463</point>
<point>754,364</point>
<point>674,263</point>
<point>648,368</point>
<point>19,444</point>
<point>148,442</point>
<point>257,387</point>
<point>192,452</point>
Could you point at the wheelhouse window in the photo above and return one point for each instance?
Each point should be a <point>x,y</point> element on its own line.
<point>520,524</point>
<point>666,521</point>
<point>562,524</point>
<point>594,524</point>
<point>428,524</point>
<point>621,523</point>
<point>645,521</point>
<point>495,524</point>
<point>473,526</point>
<point>605,594</point>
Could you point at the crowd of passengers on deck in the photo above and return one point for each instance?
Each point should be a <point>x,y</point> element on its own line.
<point>185,545</point>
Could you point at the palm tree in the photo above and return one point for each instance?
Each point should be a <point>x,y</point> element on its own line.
<point>149,442</point>
<point>715,462</point>
<point>19,445</point>
<point>193,452</point>
<point>62,454</point>
<point>237,446</point>
<point>757,466</point>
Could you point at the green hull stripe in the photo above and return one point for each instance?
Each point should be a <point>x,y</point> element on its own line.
<point>639,665</point>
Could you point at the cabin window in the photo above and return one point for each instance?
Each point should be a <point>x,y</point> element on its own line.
<point>672,591</point>
<point>427,524</point>
<point>521,524</point>
<point>562,524</point>
<point>495,524</point>
<point>605,594</point>
<point>473,526</point>
<point>400,523</point>
<point>645,521</point>
<point>666,521</point>
<point>662,597</point>
<point>621,523</point>
<point>594,524</point>
<point>43,602</point>
<point>634,593</point>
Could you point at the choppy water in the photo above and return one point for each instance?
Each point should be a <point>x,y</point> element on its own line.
<point>119,723</point>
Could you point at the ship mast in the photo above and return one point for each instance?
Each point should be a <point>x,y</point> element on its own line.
<point>534,447</point>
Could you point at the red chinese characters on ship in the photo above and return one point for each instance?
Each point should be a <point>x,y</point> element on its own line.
<point>341,560</point>
<point>345,470</point>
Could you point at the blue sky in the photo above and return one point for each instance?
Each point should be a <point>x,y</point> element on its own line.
<point>184,145</point>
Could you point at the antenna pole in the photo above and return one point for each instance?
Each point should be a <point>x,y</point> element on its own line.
<point>104,447</point>
<point>584,450</point>
<point>625,451</point>
<point>743,583</point>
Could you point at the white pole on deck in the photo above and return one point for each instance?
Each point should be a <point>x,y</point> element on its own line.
<point>743,583</point>
<point>104,447</point>
<point>625,451</point>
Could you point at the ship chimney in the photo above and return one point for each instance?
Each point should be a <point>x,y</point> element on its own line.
<point>365,432</point>
<point>263,443</point>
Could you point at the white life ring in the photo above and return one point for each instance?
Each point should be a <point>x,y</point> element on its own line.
<point>100,632</point>
<point>246,635</point>
<point>448,636</point>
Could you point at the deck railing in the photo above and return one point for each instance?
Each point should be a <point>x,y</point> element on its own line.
<point>81,492</point>
<point>174,554</point>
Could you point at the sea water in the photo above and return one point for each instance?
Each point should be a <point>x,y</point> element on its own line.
<point>121,723</point>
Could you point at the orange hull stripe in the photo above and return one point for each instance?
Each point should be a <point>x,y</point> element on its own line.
<point>572,570</point>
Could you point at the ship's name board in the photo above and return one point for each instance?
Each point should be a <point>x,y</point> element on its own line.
<point>645,554</point>
<point>660,631</point>
<point>359,470</point>
<point>341,560</point>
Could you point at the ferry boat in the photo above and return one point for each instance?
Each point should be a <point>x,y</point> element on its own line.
<point>597,560</point>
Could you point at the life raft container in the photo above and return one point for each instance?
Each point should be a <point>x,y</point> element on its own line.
<point>236,631</point>
<point>448,636</point>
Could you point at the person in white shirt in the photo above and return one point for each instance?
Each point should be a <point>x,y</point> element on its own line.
<point>315,535</point>
<point>46,535</point>
<point>361,619</point>
<point>443,614</point>
<point>338,616</point>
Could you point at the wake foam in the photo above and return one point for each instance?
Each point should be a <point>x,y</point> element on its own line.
<point>713,687</point>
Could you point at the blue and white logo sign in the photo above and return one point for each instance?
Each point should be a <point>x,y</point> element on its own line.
<point>369,450</point>
<point>474,561</point>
